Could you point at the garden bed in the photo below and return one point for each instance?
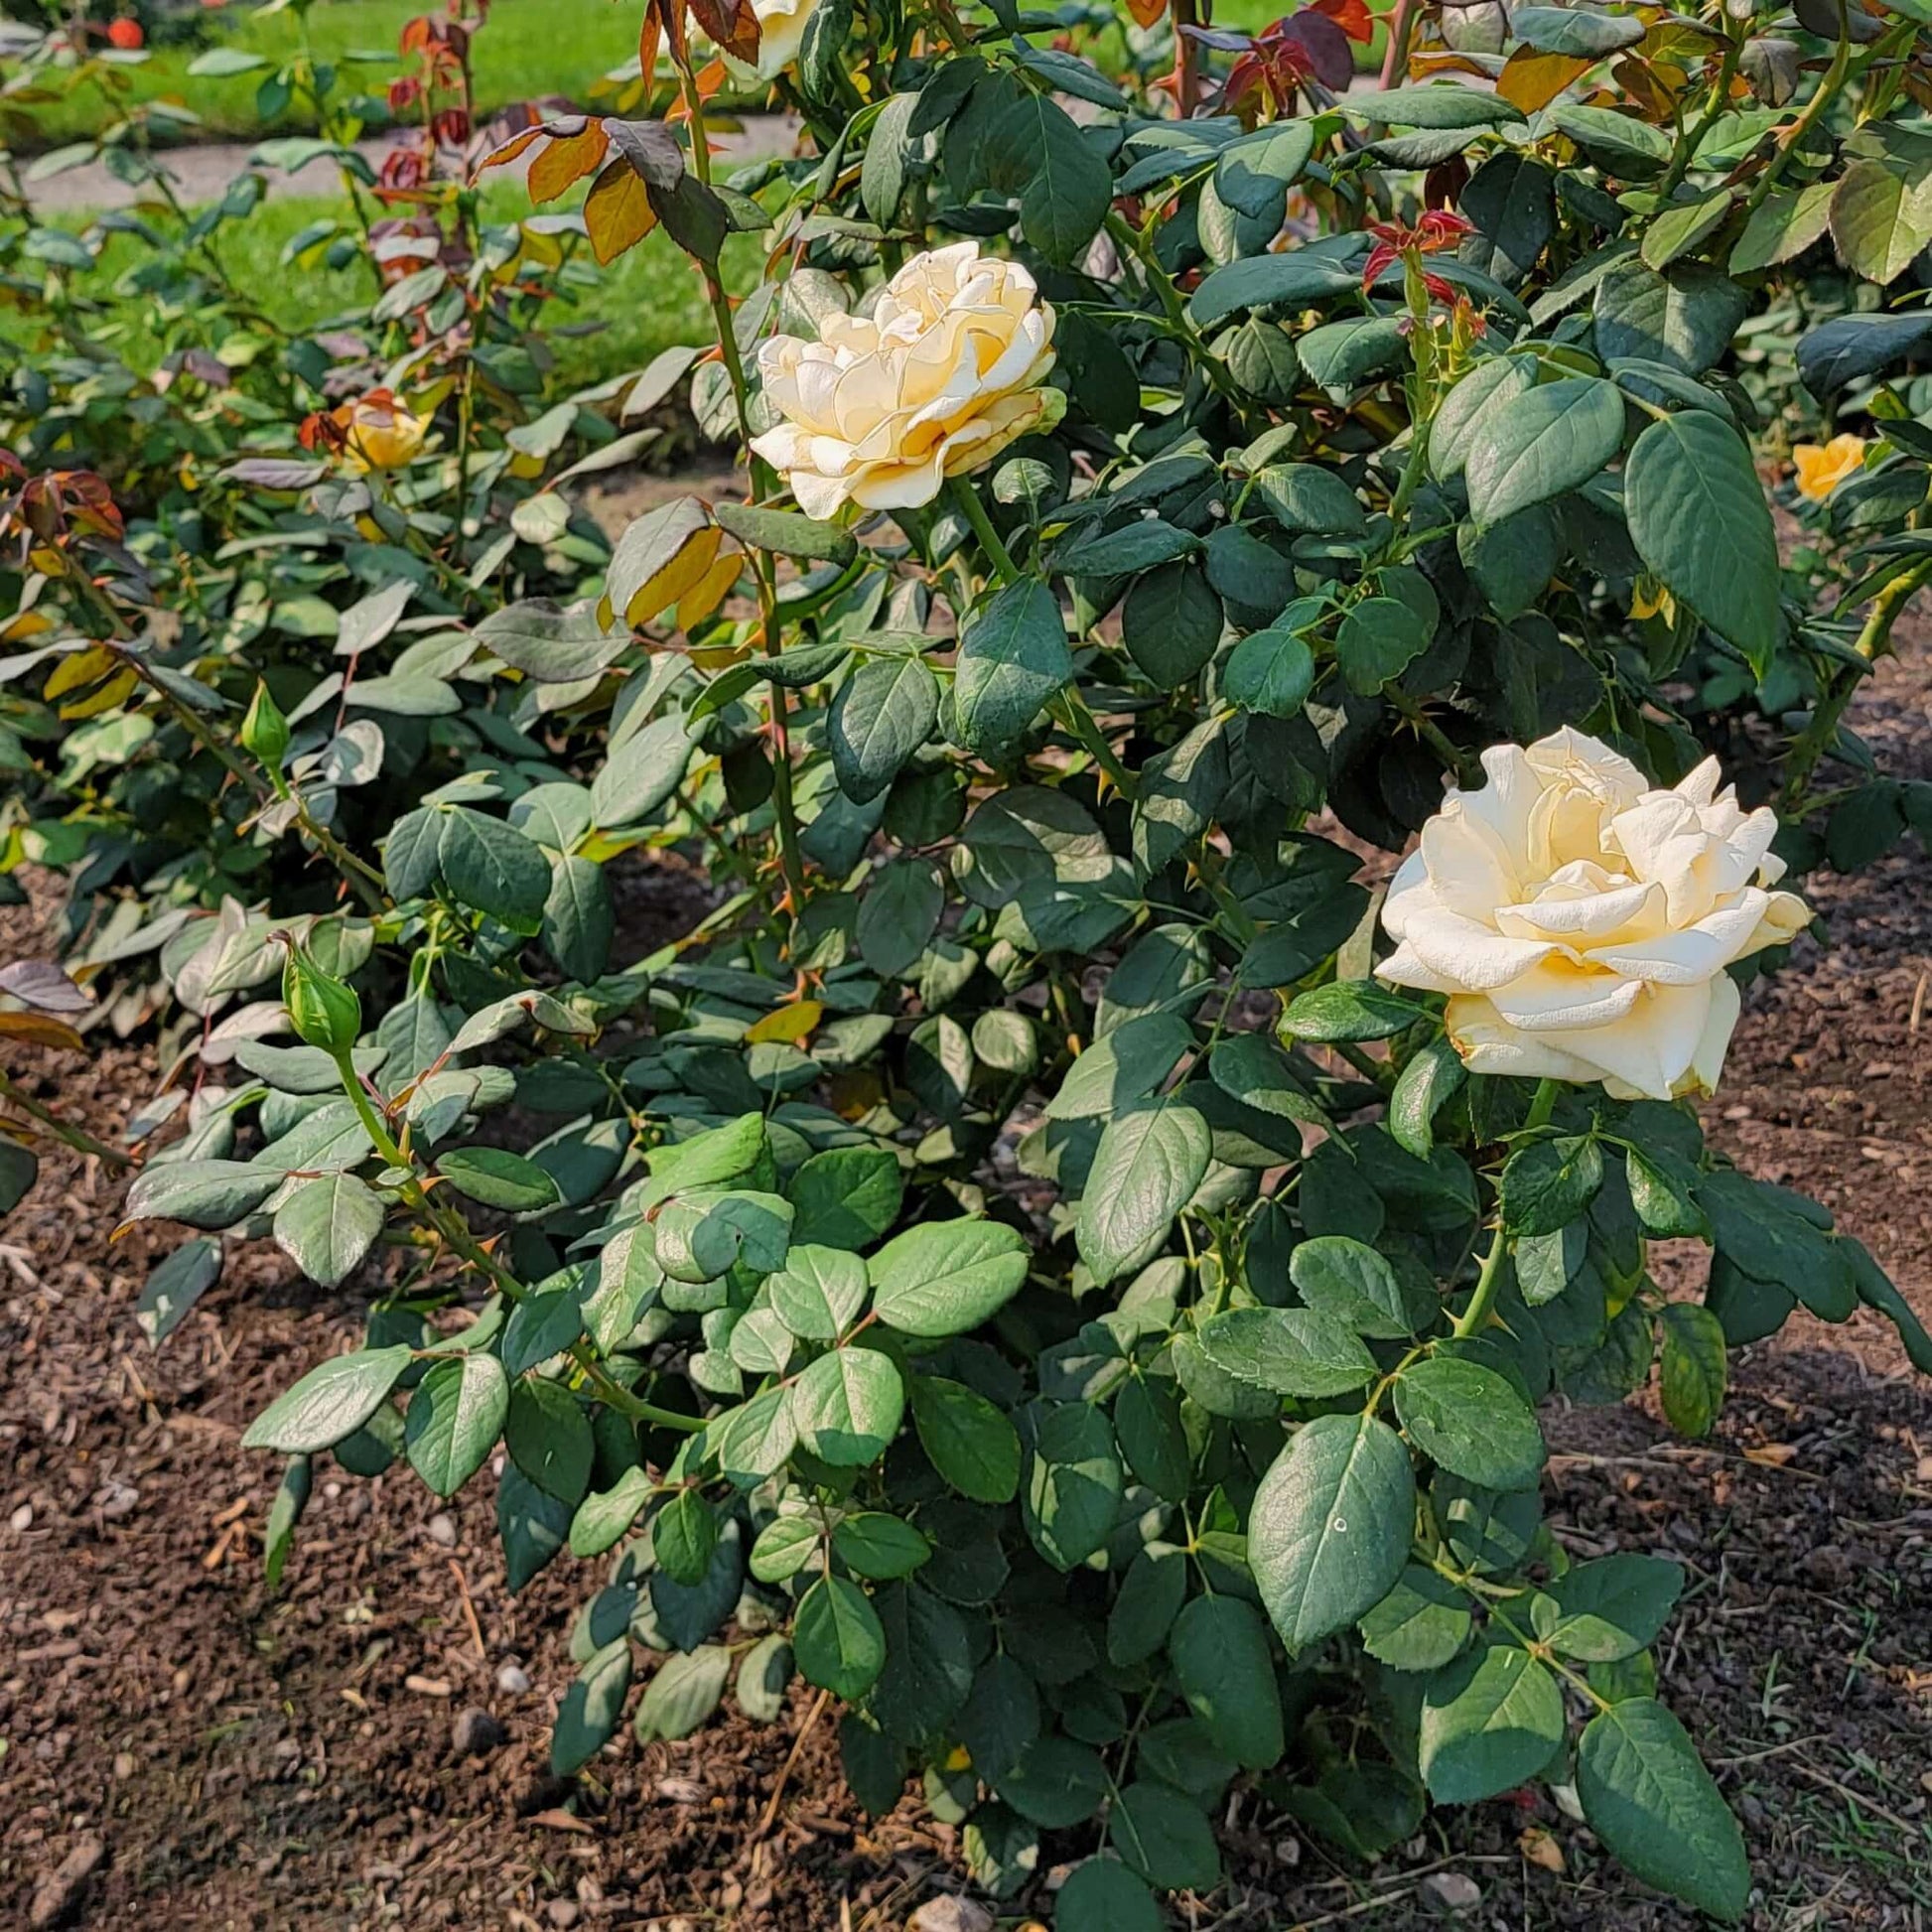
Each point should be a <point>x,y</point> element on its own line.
<point>235,1758</point>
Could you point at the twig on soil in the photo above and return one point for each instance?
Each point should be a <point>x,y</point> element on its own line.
<point>1858,1798</point>
<point>1775,1751</point>
<point>468,1612</point>
<point>797,1744</point>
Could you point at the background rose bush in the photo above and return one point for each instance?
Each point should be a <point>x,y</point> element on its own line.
<point>1018,1263</point>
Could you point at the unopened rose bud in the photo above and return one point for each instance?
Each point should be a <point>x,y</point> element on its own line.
<point>264,730</point>
<point>324,1010</point>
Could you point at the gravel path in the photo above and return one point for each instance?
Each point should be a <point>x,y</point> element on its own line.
<point>201,173</point>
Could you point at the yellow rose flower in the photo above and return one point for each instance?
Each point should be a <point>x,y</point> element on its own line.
<point>1581,921</point>
<point>1823,467</point>
<point>380,433</point>
<point>937,380</point>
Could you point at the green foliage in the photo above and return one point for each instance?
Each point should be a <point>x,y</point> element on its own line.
<point>1014,1258</point>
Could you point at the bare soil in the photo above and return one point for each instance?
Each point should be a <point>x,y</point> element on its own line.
<point>182,1748</point>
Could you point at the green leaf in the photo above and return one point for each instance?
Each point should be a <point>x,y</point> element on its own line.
<point>1331,1526</point>
<point>533,1526</point>
<point>1846,348</point>
<point>1310,500</point>
<point>944,1278</point>
<point>1149,1600</point>
<point>1701,524</point>
<point>1000,1719</point>
<point>1881,219</point>
<point>1663,1193</point>
<point>1432,106</point>
<point>607,1515</point>
<point>838,1639</point>
<point>1535,446</point>
<point>1161,1833</point>
<point>1036,151</point>
<point>1148,1163</point>
<point>1153,1439</point>
<point>174,1287</point>
<point>1464,411</point>
<point>1172,623</point>
<point>550,643</point>
<point>1608,1609</point>
<point>1550,1182</point>
<point>333,1400</point>
<point>1056,1784</point>
<point>845,1198</point>
<point>1646,1794</point>
<point>762,1675</point>
<point>1349,1010</point>
<point>683,1694</point>
<point>200,1193</point>
<point>880,1547</point>
<point>819,1292</point>
<point>592,1708</point>
<point>1469,1420</point>
<point>899,914</point>
<point>1102,1895</point>
<point>579,920</point>
<point>455,1417</point>
<point>1681,227</point>
<point>1074,1485</point>
<point>1293,279</point>
<point>1271,672</point>
<point>497,1178</point>
<point>1219,1647</point>
<point>493,866</point>
<point>882,714</point>
<point>642,772</point>
<point>1421,1625</point>
<point>974,1448</point>
<point>1013,657</point>
<point>549,1438</point>
<point>1346,1281</point>
<point>847,1407</point>
<point>785,533</point>
<point>1488,1721</point>
<point>1692,1368</point>
<point>1684,318</point>
<point>684,1538</point>
<point>1290,1351</point>
<point>1582,36</point>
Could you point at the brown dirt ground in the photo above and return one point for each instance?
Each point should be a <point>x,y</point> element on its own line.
<point>231,1758</point>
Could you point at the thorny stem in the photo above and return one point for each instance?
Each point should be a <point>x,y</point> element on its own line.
<point>1475,1317</point>
<point>1815,108</point>
<point>1127,237</point>
<point>1719,101</point>
<point>791,859</point>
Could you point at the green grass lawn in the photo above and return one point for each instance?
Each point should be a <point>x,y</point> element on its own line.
<point>529,47</point>
<point>644,301</point>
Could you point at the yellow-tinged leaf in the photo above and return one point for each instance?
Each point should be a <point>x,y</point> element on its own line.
<point>1540,1849</point>
<point>720,657</point>
<point>78,669</point>
<point>854,1093</point>
<point>116,691</point>
<point>618,213</point>
<point>788,1024</point>
<point>1774,1455</point>
<point>41,1031</point>
<point>711,590</point>
<point>565,161</point>
<point>1532,81</point>
<point>27,624</point>
<point>692,563</point>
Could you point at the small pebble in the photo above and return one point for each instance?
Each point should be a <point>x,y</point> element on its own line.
<point>22,1518</point>
<point>563,1912</point>
<point>442,1529</point>
<point>474,1733</point>
<point>950,1914</point>
<point>512,1679</point>
<point>124,1765</point>
<point>1452,1890</point>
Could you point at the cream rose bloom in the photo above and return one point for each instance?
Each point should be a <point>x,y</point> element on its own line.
<point>937,380</point>
<point>1581,921</point>
<point>781,32</point>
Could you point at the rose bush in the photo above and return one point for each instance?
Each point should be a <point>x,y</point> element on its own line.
<point>1017,1262</point>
